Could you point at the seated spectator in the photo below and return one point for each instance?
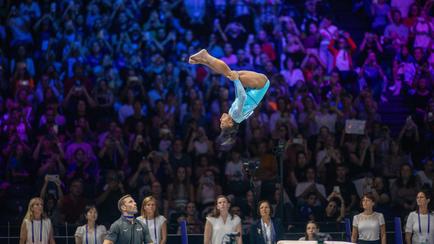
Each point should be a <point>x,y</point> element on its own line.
<point>328,158</point>
<point>308,209</point>
<point>112,189</point>
<point>82,168</point>
<point>112,153</point>
<point>207,190</point>
<point>234,174</point>
<point>380,12</point>
<point>291,73</point>
<point>50,122</point>
<point>139,145</point>
<point>140,182</point>
<point>305,187</point>
<point>346,187</point>
<point>412,13</point>
<point>426,175</point>
<point>381,193</point>
<point>359,154</point>
<point>52,165</point>
<point>199,143</point>
<point>72,205</point>
<point>370,43</point>
<point>408,137</point>
<point>393,160</point>
<point>267,168</point>
<point>157,193</point>
<point>22,79</point>
<point>373,75</point>
<point>23,60</point>
<point>104,100</point>
<point>203,166</point>
<point>335,208</point>
<point>246,207</point>
<point>18,165</point>
<point>422,30</point>
<point>396,29</point>
<point>180,191</point>
<point>312,233</point>
<point>382,144</point>
<point>78,142</point>
<point>404,190</point>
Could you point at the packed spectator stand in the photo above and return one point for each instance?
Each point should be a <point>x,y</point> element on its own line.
<point>98,100</point>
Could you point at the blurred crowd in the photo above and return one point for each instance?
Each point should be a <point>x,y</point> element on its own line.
<point>98,100</point>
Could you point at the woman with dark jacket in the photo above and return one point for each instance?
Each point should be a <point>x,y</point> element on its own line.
<point>265,230</point>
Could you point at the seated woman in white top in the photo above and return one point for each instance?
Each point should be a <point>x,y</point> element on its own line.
<point>419,228</point>
<point>36,227</point>
<point>90,232</point>
<point>221,225</point>
<point>312,233</point>
<point>369,226</point>
<point>156,223</point>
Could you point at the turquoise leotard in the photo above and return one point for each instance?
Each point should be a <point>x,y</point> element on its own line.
<point>246,100</point>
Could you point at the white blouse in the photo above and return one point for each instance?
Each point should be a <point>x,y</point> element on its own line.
<point>90,234</point>
<point>154,226</point>
<point>38,231</point>
<point>220,229</point>
<point>418,229</point>
<point>369,226</point>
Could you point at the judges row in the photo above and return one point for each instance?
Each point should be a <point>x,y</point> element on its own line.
<point>221,226</point>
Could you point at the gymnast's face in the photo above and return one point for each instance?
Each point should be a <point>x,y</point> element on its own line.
<point>226,121</point>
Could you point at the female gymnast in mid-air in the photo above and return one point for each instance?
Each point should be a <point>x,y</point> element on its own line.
<point>250,88</point>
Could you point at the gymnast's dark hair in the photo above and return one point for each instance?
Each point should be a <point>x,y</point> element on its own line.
<point>232,130</point>
<point>229,135</point>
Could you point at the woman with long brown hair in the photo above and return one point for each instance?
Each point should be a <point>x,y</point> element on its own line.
<point>36,227</point>
<point>156,223</point>
<point>221,225</point>
<point>312,233</point>
<point>420,223</point>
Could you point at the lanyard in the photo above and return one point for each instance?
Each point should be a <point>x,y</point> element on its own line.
<point>95,239</point>
<point>155,229</point>
<point>429,223</point>
<point>40,233</point>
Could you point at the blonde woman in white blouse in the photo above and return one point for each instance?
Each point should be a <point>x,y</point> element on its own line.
<point>90,233</point>
<point>419,228</point>
<point>369,227</point>
<point>156,223</point>
<point>36,227</point>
